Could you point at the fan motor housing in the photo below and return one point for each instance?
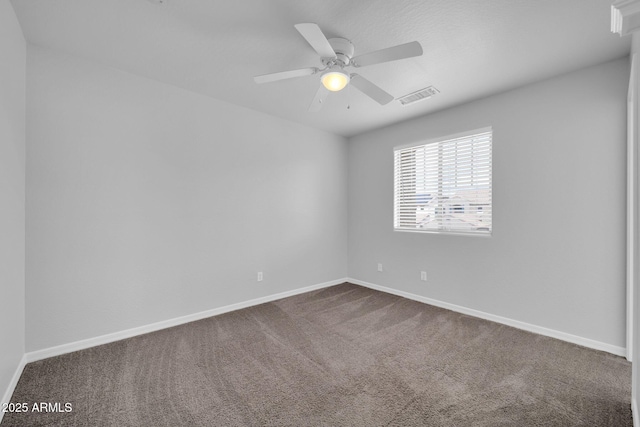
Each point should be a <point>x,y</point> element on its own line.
<point>343,48</point>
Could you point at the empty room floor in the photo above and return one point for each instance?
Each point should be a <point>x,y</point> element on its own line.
<point>343,355</point>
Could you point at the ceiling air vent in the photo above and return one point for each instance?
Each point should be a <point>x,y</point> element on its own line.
<point>418,95</point>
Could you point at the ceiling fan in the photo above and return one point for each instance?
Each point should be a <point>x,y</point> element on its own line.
<point>336,55</point>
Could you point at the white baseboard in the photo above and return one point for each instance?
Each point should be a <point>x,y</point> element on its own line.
<point>586,342</point>
<point>116,336</point>
<point>6,398</point>
<point>634,412</point>
<point>128,333</point>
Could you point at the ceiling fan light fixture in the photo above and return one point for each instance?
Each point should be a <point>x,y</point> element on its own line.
<point>335,80</point>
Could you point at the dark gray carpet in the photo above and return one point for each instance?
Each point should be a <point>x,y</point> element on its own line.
<point>341,356</point>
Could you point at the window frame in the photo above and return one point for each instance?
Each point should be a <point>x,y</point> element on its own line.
<point>445,138</point>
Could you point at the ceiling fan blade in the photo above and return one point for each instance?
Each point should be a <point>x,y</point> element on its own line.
<point>402,51</point>
<point>317,40</point>
<point>266,78</point>
<point>371,90</point>
<point>318,100</point>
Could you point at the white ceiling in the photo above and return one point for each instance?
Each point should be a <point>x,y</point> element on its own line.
<point>472,48</point>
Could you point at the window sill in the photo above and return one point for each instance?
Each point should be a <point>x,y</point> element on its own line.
<point>446,233</point>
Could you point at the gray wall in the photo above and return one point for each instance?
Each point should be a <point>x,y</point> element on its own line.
<point>556,258</point>
<point>635,373</point>
<point>146,202</point>
<point>12,164</point>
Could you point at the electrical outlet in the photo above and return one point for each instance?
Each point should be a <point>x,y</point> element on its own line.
<point>423,275</point>
<point>379,266</point>
<point>259,276</point>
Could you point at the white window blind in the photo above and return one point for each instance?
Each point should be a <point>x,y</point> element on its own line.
<point>444,185</point>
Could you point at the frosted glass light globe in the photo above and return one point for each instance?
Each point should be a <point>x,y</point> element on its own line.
<point>335,80</point>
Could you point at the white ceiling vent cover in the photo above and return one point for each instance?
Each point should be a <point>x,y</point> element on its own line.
<point>418,95</point>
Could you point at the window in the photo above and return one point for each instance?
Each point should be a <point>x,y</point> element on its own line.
<point>444,185</point>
